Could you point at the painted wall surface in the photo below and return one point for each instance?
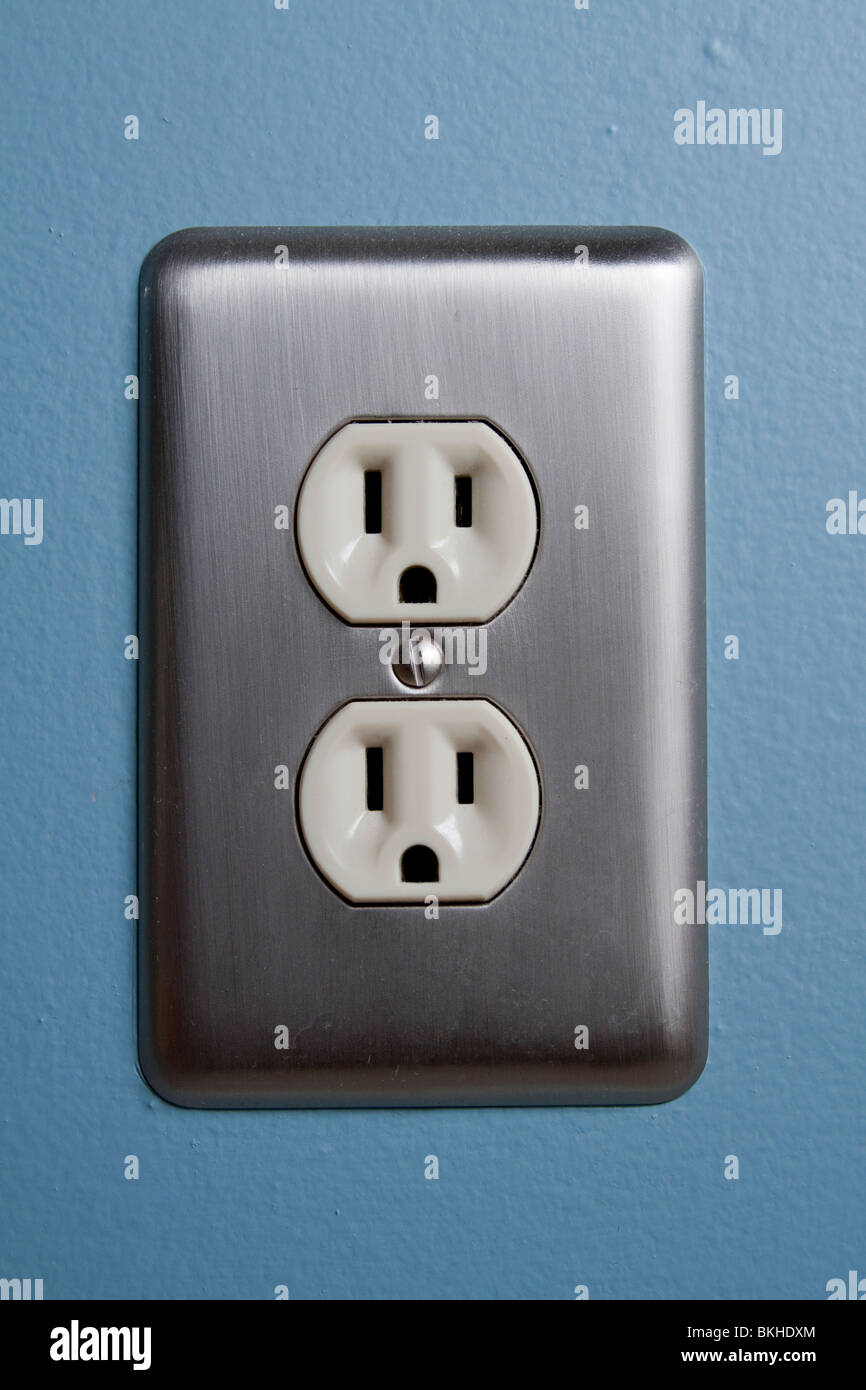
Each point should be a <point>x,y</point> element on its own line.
<point>548,113</point>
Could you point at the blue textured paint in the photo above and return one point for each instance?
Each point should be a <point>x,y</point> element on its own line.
<point>250,115</point>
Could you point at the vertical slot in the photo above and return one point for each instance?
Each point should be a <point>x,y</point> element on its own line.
<point>375,779</point>
<point>373,501</point>
<point>465,778</point>
<point>463,501</point>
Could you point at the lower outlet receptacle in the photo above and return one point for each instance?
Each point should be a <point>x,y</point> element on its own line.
<point>402,799</point>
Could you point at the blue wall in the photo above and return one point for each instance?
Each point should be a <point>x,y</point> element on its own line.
<point>316,115</point>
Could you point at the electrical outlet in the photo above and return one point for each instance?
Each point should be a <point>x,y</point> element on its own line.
<point>403,799</point>
<point>422,687</point>
<point>422,520</point>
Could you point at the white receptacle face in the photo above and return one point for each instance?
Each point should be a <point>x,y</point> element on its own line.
<point>427,520</point>
<point>403,799</point>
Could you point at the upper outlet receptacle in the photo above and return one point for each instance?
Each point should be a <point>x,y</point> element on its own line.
<point>422,520</point>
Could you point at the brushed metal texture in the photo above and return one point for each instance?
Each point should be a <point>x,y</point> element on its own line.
<point>595,371</point>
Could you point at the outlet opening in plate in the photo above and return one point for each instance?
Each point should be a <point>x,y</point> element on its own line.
<point>465,779</point>
<point>417,585</point>
<point>419,864</point>
<point>375,779</point>
<point>373,501</point>
<point>463,501</point>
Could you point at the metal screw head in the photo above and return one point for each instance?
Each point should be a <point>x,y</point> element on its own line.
<point>426,660</point>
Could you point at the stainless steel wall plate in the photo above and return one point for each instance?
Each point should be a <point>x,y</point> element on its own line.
<point>261,984</point>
